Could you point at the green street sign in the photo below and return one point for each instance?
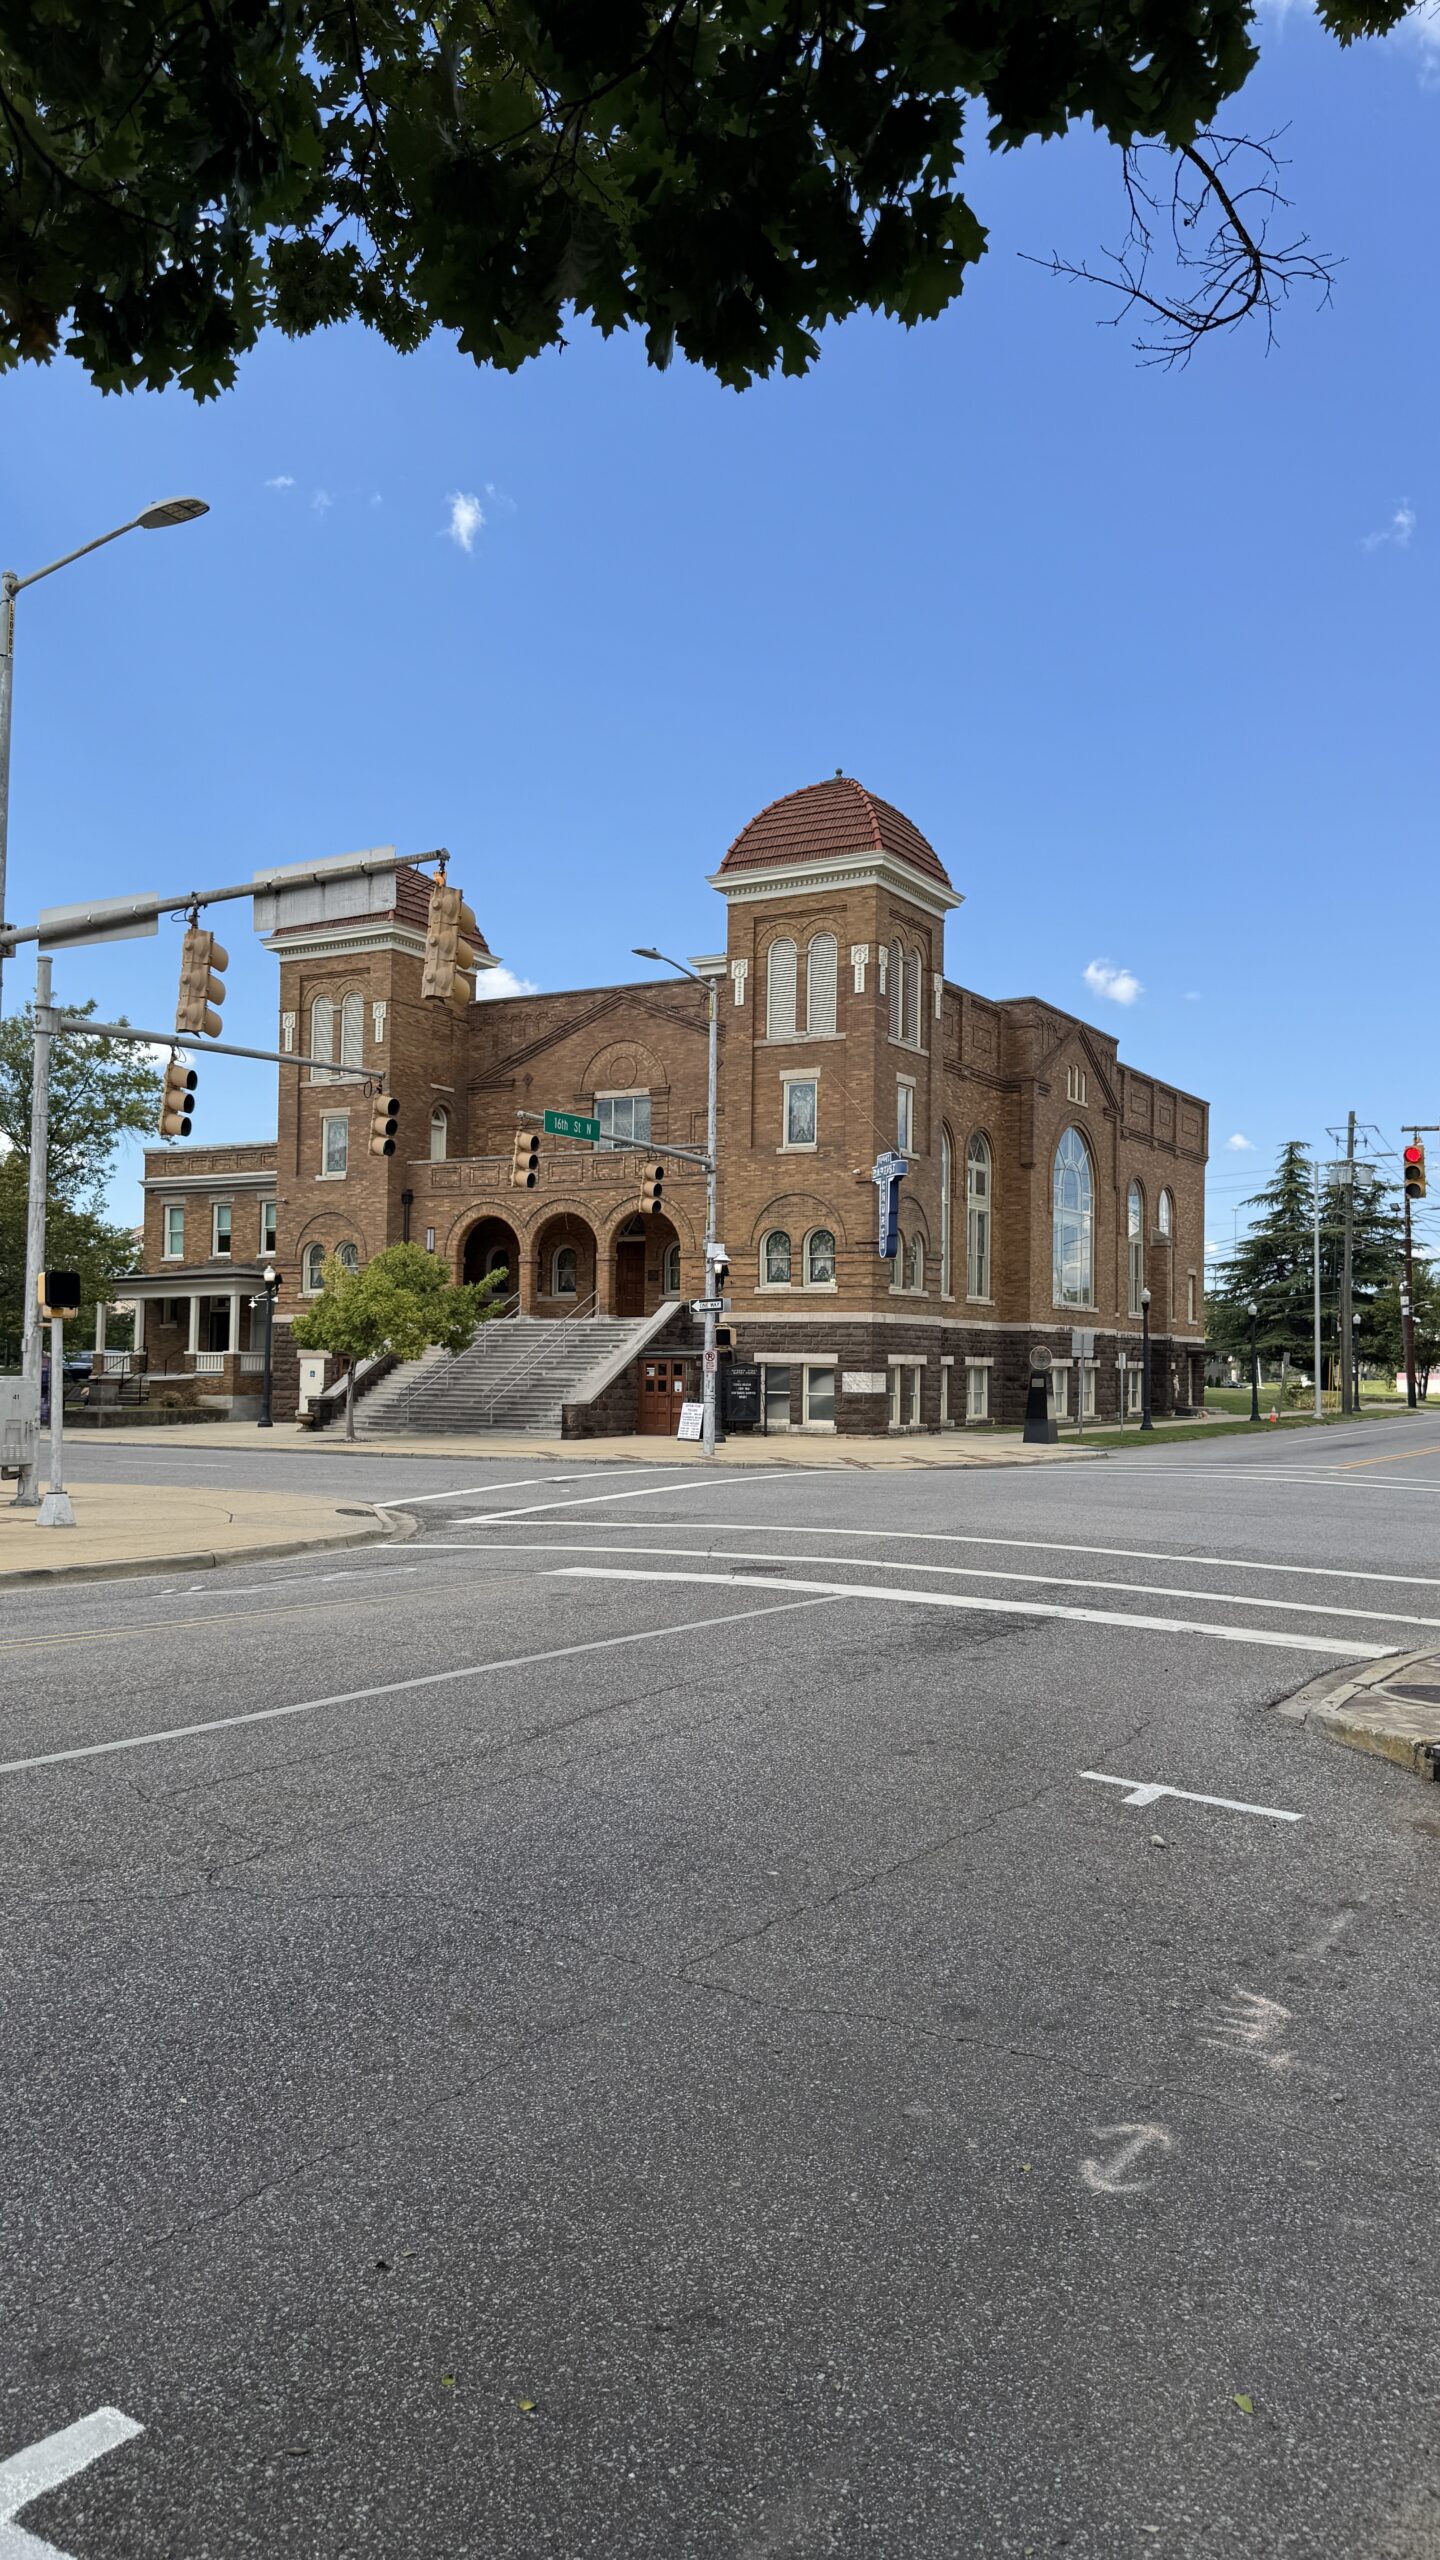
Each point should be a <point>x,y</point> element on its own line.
<point>571,1124</point>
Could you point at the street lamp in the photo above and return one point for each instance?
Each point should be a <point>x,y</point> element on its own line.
<point>711,985</point>
<point>271,1279</point>
<point>1253,1313</point>
<point>152,519</point>
<point>1355,1321</point>
<point>1146,1424</point>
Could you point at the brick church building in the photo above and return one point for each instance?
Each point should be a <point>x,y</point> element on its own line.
<point>1049,1182</point>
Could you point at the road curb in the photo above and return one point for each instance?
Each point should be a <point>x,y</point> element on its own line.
<point>396,1525</point>
<point>1389,1708</point>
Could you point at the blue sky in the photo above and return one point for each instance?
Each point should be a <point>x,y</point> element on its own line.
<point>1148,656</point>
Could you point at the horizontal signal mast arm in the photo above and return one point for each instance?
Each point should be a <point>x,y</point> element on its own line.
<point>74,1025</point>
<point>110,912</point>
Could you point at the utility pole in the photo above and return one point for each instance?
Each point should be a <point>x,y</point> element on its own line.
<point>1414,1169</point>
<point>1348,1399</point>
<point>27,1489</point>
<point>1315,1286</point>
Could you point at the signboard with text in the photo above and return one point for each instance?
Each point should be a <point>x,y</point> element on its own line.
<point>572,1124</point>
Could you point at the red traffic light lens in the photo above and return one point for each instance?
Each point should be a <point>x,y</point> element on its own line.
<point>1414,1155</point>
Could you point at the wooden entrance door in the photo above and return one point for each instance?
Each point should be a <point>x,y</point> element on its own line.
<point>630,1276</point>
<point>662,1392</point>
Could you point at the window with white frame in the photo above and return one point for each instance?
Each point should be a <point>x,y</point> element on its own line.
<point>775,1375</point>
<point>801,1097</point>
<point>624,1118</point>
<point>1133,1398</point>
<point>821,966</point>
<point>220,1222</point>
<point>977,1391</point>
<point>1074,1084</point>
<point>352,1029</point>
<point>565,1272</point>
<point>905,1116</point>
<point>905,1376</point>
<point>780,991</point>
<point>314,1268</point>
<point>670,1273</point>
<point>1072,1223</point>
<point>1190,1294</point>
<point>977,1218</point>
<point>1087,1390</point>
<point>913,974</point>
<point>439,1134</point>
<point>1135,1238</point>
<point>174,1231</point>
<point>820,1258</point>
<point>1165,1216</point>
<point>334,1144</point>
<point>1057,1393</point>
<point>947,1176</point>
<point>896,972</point>
<point>268,1226</point>
<point>819,1394</point>
<point>775,1260</point>
<point>945,1368</point>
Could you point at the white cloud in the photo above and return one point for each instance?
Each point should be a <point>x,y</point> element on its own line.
<point>467,518</point>
<point>1398,531</point>
<point>1117,986</point>
<point>322,502</point>
<point>1240,1146</point>
<point>282,480</point>
<point>499,500</point>
<point>491,983</point>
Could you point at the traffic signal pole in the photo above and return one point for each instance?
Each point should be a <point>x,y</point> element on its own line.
<point>711,1363</point>
<point>27,1494</point>
<point>1414,1189</point>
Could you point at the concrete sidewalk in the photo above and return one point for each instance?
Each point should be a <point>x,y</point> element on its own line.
<point>1391,1708</point>
<point>792,1448</point>
<point>123,1529</point>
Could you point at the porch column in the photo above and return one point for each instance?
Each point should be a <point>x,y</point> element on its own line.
<point>139,1324</point>
<point>100,1313</point>
<point>235,1295</point>
<point>193,1344</point>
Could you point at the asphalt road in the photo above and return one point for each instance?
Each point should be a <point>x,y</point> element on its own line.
<point>645,2022</point>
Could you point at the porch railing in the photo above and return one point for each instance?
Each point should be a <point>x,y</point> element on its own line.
<point>252,1364</point>
<point>115,1364</point>
<point>209,1364</point>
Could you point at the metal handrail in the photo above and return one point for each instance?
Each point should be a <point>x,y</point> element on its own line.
<point>507,1307</point>
<point>583,1308</point>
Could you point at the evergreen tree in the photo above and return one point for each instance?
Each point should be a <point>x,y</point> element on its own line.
<point>1273,1266</point>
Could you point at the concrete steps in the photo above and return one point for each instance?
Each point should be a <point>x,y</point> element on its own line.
<point>517,1375</point>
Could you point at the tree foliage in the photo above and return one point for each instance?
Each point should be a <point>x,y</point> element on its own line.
<point>402,1301</point>
<point>1273,1265</point>
<point>727,175</point>
<point>101,1091</point>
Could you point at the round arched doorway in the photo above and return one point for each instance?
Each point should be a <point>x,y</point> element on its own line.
<point>492,1246</point>
<point>647,1265</point>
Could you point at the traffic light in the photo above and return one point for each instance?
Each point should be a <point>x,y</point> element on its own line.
<point>652,1191</point>
<point>525,1161</point>
<point>451,938</point>
<point>177,1103</point>
<point>725,1341</point>
<point>202,986</point>
<point>58,1293</point>
<point>720,1274</point>
<point>1415,1173</point>
<point>384,1121</point>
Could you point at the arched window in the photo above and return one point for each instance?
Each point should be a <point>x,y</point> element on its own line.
<point>439,1134</point>
<point>565,1272</point>
<point>820,1259</point>
<point>946,1176</point>
<point>1072,1223</point>
<point>820,968</point>
<point>977,1217</point>
<point>915,1275</point>
<point>775,1260</point>
<point>322,1036</point>
<point>314,1269</point>
<point>352,1020</point>
<point>780,991</point>
<point>1166,1219</point>
<point>670,1283</point>
<point>897,992</point>
<point>1135,1236</point>
<point>348,1256</point>
<point>912,998</point>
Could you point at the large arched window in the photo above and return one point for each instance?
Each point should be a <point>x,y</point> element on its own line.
<point>775,1260</point>
<point>977,1217</point>
<point>314,1269</point>
<point>820,968</point>
<point>565,1272</point>
<point>439,1134</point>
<point>670,1280</point>
<point>915,1265</point>
<point>322,1036</point>
<point>1135,1238</point>
<point>947,1176</point>
<point>1072,1223</point>
<point>820,1259</point>
<point>780,991</point>
<point>352,1024</point>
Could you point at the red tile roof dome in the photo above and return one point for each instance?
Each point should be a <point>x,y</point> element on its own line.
<point>839,816</point>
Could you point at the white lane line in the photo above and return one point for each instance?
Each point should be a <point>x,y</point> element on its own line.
<point>44,2465</point>
<point>1350,1648</point>
<point>1141,1792</point>
<point>508,1484</point>
<point>283,1582</point>
<point>635,1493</point>
<point>1025,1546</point>
<point>391,1689</point>
<point>968,1573</point>
<point>1274,1475</point>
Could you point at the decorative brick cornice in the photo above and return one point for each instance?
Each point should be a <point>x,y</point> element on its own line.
<point>864,869</point>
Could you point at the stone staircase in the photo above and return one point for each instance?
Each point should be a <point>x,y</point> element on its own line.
<point>517,1375</point>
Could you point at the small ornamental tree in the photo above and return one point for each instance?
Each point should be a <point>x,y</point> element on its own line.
<point>403,1301</point>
